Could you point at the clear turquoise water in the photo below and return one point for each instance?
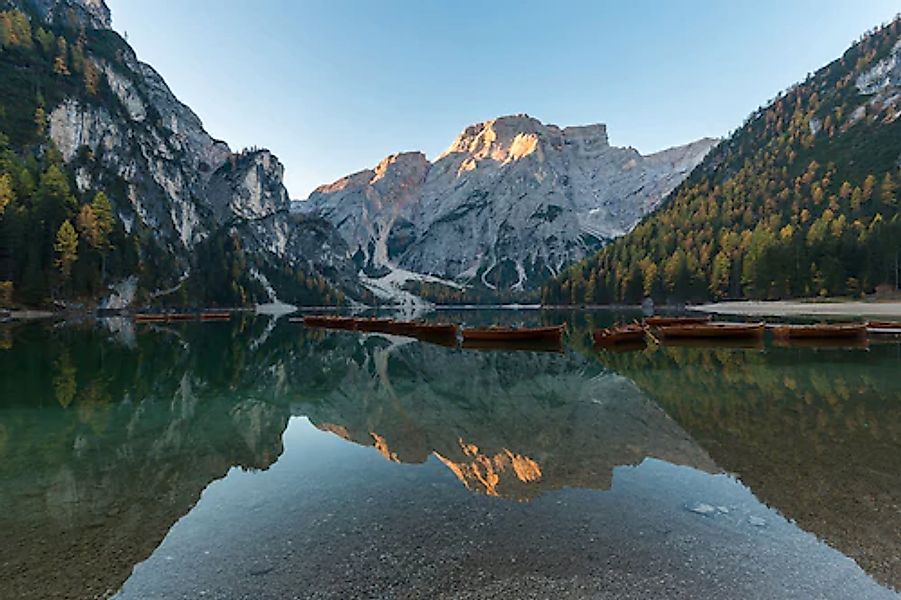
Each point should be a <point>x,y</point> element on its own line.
<point>260,459</point>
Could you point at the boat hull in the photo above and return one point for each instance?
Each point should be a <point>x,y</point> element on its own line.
<point>504,334</point>
<point>666,321</point>
<point>820,332</point>
<point>712,331</point>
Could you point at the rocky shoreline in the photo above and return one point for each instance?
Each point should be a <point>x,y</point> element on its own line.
<point>795,308</point>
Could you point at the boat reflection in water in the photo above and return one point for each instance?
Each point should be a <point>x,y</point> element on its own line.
<point>217,461</point>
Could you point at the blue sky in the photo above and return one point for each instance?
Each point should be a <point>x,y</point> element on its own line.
<point>332,86</point>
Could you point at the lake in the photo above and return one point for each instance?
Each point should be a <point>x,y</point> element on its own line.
<point>258,458</point>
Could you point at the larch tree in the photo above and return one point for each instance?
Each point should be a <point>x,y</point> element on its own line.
<point>7,194</point>
<point>66,248</point>
<point>87,226</point>
<point>61,63</point>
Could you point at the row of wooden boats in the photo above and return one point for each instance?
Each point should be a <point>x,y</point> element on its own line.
<point>472,336</point>
<point>703,328</point>
<point>182,316</point>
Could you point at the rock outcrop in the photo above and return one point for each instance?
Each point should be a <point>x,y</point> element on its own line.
<point>171,183</point>
<point>509,203</point>
<point>93,14</point>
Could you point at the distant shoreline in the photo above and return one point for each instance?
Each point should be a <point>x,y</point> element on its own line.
<point>772,308</point>
<point>793,308</point>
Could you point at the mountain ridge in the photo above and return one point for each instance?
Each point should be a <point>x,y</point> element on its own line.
<point>800,201</point>
<point>107,123</point>
<point>482,213</point>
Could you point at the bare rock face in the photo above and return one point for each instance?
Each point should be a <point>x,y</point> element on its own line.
<point>508,204</point>
<point>372,201</point>
<point>93,14</point>
<point>169,180</point>
<point>883,84</point>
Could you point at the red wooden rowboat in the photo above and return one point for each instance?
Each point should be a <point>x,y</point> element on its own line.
<point>434,329</point>
<point>216,316</point>
<point>149,318</point>
<point>180,316</point>
<point>372,324</point>
<point>514,334</point>
<point>821,331</point>
<point>619,334</point>
<point>663,321</point>
<point>706,331</point>
<point>329,321</point>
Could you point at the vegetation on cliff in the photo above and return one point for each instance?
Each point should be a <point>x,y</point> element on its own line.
<point>802,200</point>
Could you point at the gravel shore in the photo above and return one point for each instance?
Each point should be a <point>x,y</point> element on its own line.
<point>800,309</point>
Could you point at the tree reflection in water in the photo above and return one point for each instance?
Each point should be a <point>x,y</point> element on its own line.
<point>109,435</point>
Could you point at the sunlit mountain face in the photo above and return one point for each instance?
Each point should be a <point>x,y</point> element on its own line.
<point>124,445</point>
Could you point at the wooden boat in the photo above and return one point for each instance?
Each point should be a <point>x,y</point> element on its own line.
<point>820,331</point>
<point>329,321</point>
<point>619,334</point>
<point>216,316</point>
<point>149,318</point>
<point>421,329</point>
<point>664,321</point>
<point>180,316</point>
<point>884,327</point>
<point>435,329</point>
<point>517,334</point>
<point>342,323</point>
<point>438,339</point>
<point>707,331</point>
<point>372,324</point>
<point>311,320</point>
<point>407,328</point>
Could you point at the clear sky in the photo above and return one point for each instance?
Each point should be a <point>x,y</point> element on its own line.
<point>333,86</point>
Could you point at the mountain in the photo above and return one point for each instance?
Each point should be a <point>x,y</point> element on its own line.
<point>180,217</point>
<point>511,202</point>
<point>802,200</point>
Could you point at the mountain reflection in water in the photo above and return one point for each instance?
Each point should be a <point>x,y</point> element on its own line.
<point>107,438</point>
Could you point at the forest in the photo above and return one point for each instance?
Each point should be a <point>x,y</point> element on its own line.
<point>55,242</point>
<point>801,201</point>
<point>61,245</point>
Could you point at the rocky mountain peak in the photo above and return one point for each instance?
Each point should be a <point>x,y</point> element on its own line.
<point>497,139</point>
<point>511,201</point>
<point>94,14</point>
<point>400,166</point>
<point>514,137</point>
